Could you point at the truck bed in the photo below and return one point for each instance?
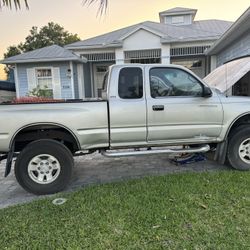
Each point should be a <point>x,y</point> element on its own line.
<point>86,120</point>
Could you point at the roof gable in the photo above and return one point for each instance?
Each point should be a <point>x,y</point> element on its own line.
<point>142,27</point>
<point>178,10</point>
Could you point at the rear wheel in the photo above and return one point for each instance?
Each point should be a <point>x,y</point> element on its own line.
<point>238,153</point>
<point>44,167</point>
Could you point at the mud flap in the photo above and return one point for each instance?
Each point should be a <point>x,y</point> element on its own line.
<point>9,160</point>
<point>221,152</point>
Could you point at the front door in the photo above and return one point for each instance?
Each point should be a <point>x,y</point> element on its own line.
<point>177,112</point>
<point>99,73</point>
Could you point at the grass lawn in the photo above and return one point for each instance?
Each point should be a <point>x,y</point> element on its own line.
<point>180,211</point>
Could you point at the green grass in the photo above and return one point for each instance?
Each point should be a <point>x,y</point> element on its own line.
<point>181,211</point>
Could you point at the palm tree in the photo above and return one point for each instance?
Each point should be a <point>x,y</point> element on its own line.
<point>16,3</point>
<point>103,4</point>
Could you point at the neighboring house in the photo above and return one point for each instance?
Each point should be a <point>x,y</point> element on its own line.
<point>52,67</point>
<point>177,39</point>
<point>233,45</point>
<point>7,91</point>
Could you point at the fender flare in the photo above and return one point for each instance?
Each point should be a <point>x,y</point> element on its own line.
<point>44,123</point>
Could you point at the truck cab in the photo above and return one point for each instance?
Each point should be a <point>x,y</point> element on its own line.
<point>156,104</point>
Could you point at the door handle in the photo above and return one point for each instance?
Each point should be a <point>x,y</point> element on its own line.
<point>158,107</point>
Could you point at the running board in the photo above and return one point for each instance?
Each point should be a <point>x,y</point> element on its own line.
<point>202,149</point>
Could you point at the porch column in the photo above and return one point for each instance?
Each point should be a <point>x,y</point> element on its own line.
<point>119,56</point>
<point>16,81</point>
<point>72,79</point>
<point>165,53</point>
<point>81,86</point>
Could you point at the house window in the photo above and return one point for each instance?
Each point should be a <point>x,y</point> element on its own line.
<point>190,64</point>
<point>146,60</point>
<point>45,81</point>
<point>177,19</point>
<point>101,69</point>
<point>197,65</point>
<point>143,56</point>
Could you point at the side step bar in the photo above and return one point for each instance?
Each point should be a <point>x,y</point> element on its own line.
<point>202,149</point>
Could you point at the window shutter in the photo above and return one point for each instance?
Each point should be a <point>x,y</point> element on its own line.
<point>31,76</point>
<point>56,83</point>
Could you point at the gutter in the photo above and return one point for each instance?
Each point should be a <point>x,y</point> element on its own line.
<point>83,60</point>
<point>98,46</point>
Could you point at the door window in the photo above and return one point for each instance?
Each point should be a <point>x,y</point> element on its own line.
<point>130,83</point>
<point>173,82</point>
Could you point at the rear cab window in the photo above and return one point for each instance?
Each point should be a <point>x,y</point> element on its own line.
<point>130,84</point>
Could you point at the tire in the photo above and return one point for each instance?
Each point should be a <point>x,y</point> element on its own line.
<point>238,153</point>
<point>44,167</point>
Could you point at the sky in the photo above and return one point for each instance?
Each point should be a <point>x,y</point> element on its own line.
<point>76,18</point>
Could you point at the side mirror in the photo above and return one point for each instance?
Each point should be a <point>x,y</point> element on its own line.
<point>207,92</point>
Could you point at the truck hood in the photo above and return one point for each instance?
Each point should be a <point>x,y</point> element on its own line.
<point>225,76</point>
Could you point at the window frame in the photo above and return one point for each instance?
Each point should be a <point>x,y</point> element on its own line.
<point>143,85</point>
<point>37,78</point>
<point>176,68</point>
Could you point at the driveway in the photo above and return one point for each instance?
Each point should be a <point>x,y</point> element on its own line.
<point>96,169</point>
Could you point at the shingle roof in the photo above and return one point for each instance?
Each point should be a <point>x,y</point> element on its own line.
<point>48,54</point>
<point>197,31</point>
<point>178,9</point>
<point>234,32</point>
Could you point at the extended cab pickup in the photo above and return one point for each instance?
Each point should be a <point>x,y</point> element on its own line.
<point>144,109</point>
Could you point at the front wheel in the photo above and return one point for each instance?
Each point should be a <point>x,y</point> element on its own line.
<point>44,167</point>
<point>238,153</point>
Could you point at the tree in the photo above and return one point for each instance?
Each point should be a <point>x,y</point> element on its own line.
<point>11,51</point>
<point>48,35</point>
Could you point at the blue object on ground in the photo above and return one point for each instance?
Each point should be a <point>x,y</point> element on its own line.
<point>197,157</point>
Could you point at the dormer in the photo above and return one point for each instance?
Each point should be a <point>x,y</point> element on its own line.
<point>178,16</point>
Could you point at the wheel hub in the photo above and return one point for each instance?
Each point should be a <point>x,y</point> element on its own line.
<point>44,169</point>
<point>244,151</point>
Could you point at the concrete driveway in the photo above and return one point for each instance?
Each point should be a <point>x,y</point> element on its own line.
<point>96,169</point>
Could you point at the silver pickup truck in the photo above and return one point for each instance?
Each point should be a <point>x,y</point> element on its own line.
<point>144,109</point>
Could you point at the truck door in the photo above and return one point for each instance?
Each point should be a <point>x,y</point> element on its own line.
<point>177,110</point>
<point>127,105</point>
